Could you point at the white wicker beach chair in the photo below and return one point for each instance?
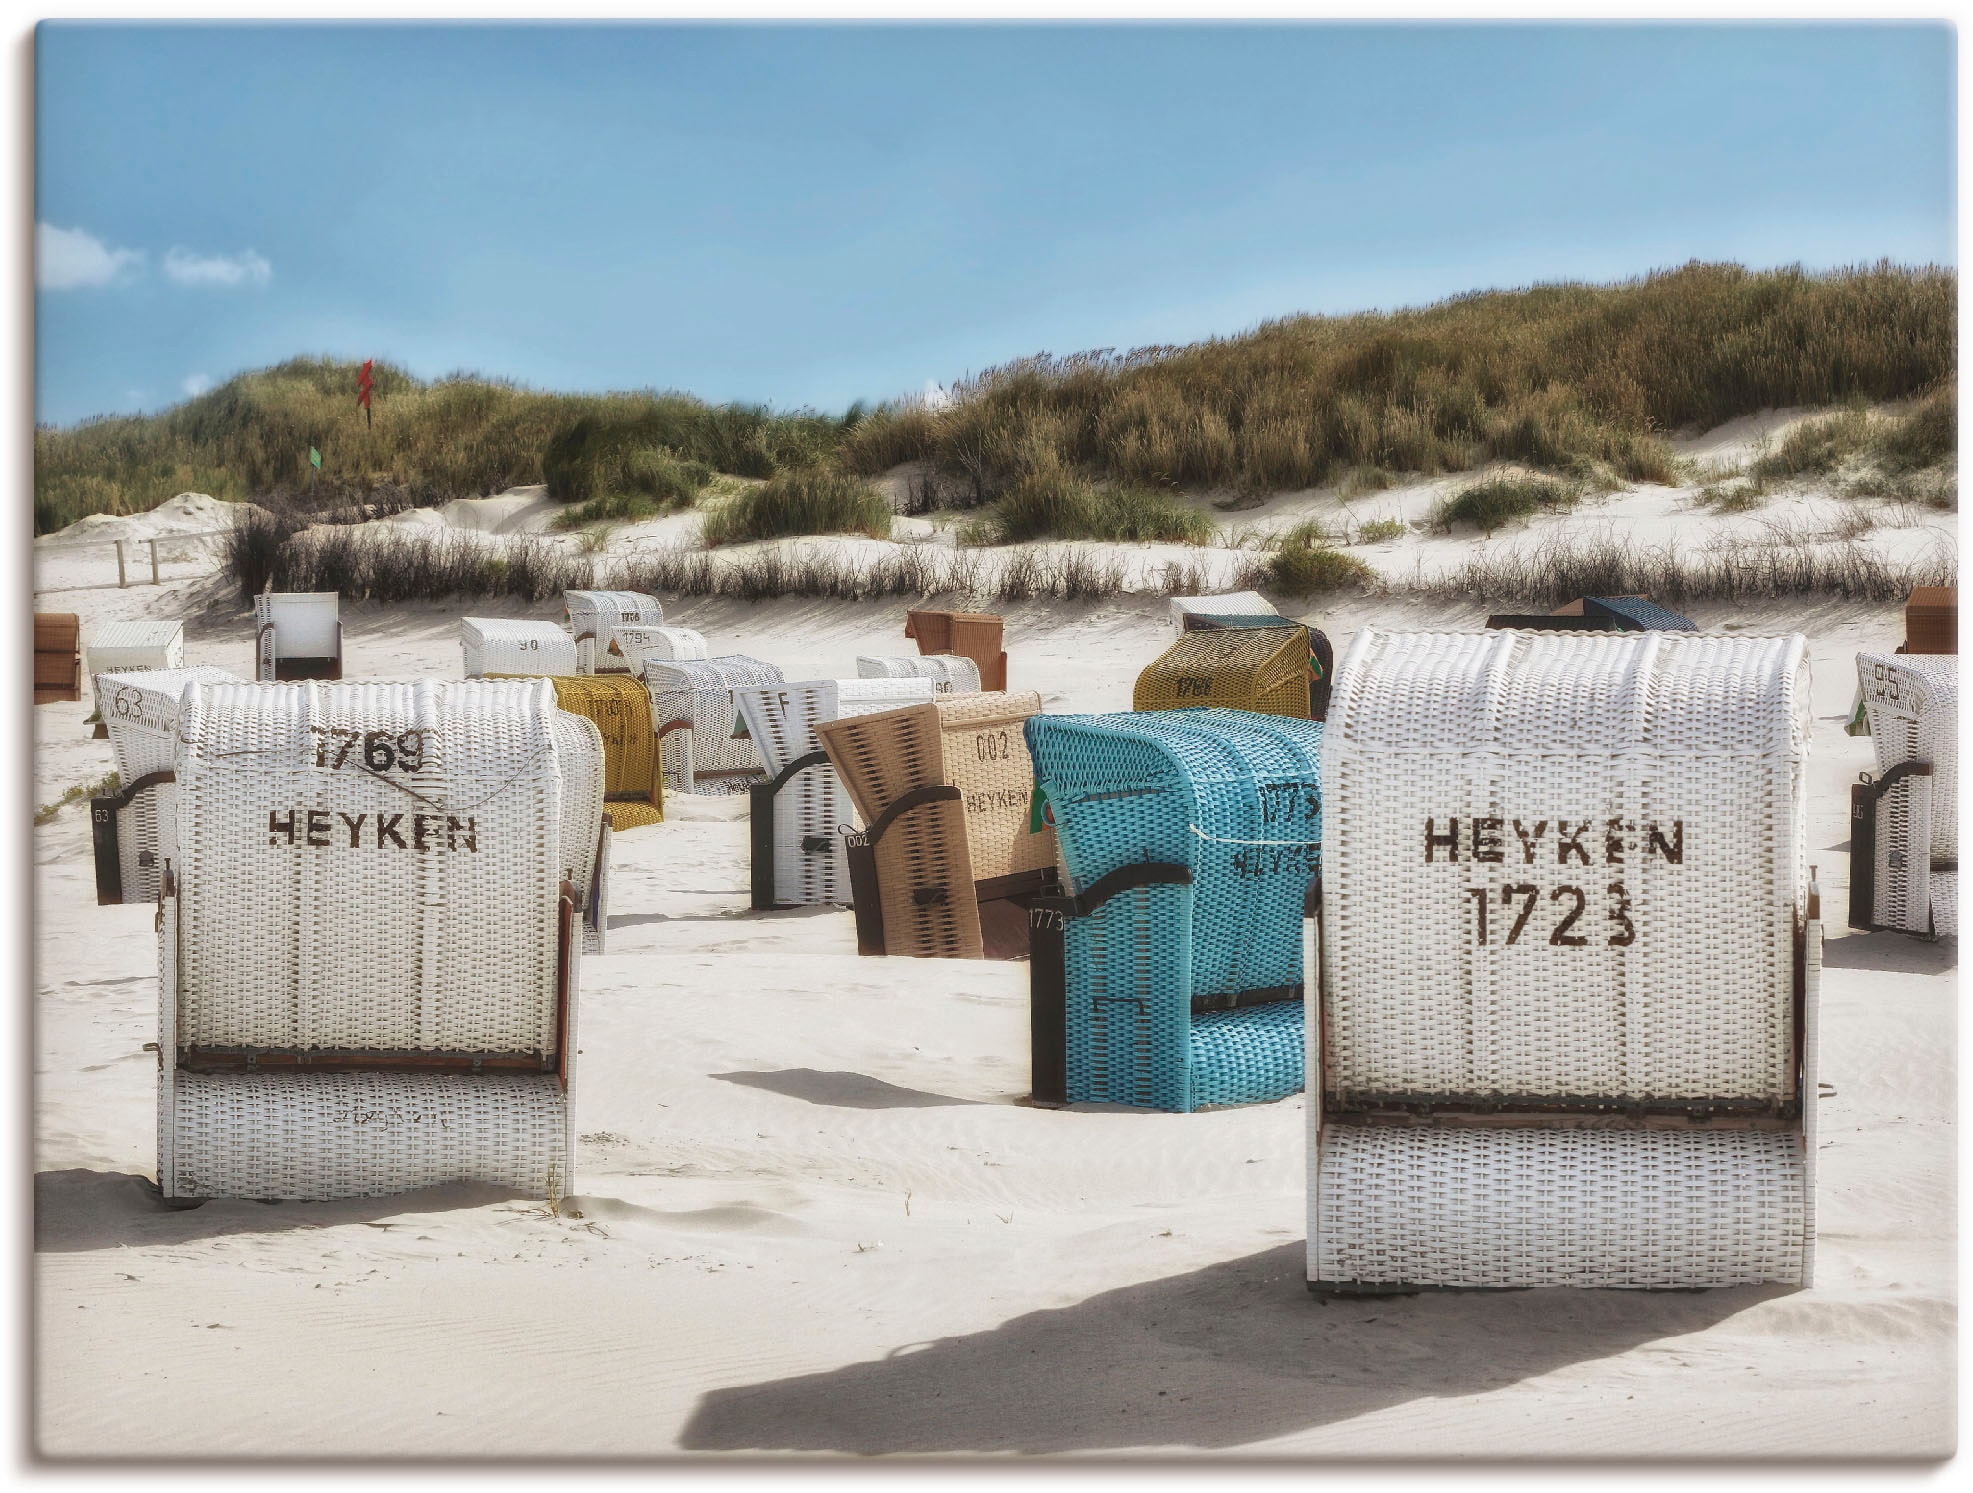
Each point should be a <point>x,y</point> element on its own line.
<point>1232,604</point>
<point>635,644</point>
<point>297,635</point>
<point>368,939</point>
<point>704,745</point>
<point>119,647</point>
<point>1904,842</point>
<point>950,673</point>
<point>593,618</point>
<point>139,711</point>
<point>507,645</point>
<point>1566,931</point>
<point>797,812</point>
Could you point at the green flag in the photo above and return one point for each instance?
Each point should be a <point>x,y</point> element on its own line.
<point>314,458</point>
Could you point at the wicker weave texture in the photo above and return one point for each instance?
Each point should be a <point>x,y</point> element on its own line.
<point>126,645</point>
<point>1628,814</point>
<point>1913,704</point>
<point>593,618</point>
<point>809,863</point>
<point>1231,604</point>
<point>702,737</point>
<point>1901,870</point>
<point>317,1136</point>
<point>620,707</point>
<point>1235,797</point>
<point>1945,903</point>
<point>585,836</point>
<point>924,867</point>
<point>514,647</point>
<point>1526,1206</point>
<point>371,867</point>
<point>983,752</point>
<point>1261,669</point>
<point>57,657</point>
<point>948,672</point>
<point>637,643</point>
<point>139,709</point>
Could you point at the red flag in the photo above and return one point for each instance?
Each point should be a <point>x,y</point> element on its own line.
<point>363,384</point>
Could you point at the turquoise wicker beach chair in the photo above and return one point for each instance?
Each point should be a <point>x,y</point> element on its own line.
<point>1170,973</point>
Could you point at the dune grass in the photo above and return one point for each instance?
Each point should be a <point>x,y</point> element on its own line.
<point>1927,436</point>
<point>1051,502</point>
<point>458,436</point>
<point>814,499</point>
<point>1380,530</point>
<point>1496,501</point>
<point>1551,377</point>
<point>78,793</point>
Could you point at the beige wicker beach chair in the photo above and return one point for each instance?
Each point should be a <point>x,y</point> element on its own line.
<point>798,812</point>
<point>593,618</point>
<point>703,739</point>
<point>635,644</point>
<point>1228,604</point>
<point>1904,821</point>
<point>1570,952</point>
<point>515,647</point>
<point>949,856</point>
<point>124,646</point>
<point>949,673</point>
<point>130,827</point>
<point>297,635</point>
<point>369,939</point>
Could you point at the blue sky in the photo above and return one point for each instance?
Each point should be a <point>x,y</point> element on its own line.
<point>810,215</point>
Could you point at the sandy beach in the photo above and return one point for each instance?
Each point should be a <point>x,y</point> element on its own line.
<point>814,1213</point>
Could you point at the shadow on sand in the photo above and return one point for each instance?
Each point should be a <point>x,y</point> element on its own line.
<point>80,1210</point>
<point>1892,953</point>
<point>843,1090</point>
<point>1230,1355</point>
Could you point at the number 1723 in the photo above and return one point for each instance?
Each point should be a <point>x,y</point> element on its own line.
<point>1508,915</point>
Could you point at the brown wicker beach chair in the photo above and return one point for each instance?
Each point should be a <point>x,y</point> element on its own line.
<point>974,635</point>
<point>1931,620</point>
<point>57,657</point>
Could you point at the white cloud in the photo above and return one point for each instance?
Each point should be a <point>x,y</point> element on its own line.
<point>196,384</point>
<point>66,258</point>
<point>186,268</point>
<point>935,396</point>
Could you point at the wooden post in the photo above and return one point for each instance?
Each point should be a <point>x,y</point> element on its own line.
<point>121,581</point>
<point>154,563</point>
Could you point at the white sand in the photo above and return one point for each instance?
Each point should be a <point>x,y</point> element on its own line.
<point>817,1217</point>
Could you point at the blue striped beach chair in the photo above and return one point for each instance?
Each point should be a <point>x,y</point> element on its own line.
<point>1169,974</point>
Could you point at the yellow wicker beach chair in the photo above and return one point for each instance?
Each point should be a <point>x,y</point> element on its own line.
<point>1250,668</point>
<point>620,705</point>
